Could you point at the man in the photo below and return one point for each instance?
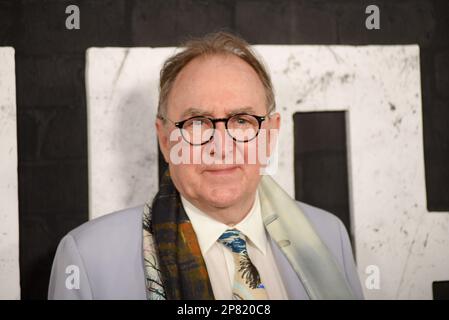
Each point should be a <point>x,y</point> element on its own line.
<point>217,229</point>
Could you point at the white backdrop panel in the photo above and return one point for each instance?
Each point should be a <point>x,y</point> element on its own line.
<point>377,86</point>
<point>9,208</point>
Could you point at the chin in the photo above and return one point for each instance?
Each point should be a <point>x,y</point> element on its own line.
<point>223,197</point>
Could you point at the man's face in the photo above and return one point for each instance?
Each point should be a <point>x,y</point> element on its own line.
<point>216,87</point>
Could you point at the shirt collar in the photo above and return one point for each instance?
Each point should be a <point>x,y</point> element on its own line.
<point>208,230</point>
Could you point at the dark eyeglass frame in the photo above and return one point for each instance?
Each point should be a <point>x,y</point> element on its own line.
<point>180,124</point>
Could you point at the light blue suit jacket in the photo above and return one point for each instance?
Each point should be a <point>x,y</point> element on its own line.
<point>105,257</point>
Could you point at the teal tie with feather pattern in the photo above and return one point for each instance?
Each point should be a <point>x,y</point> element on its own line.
<point>247,284</point>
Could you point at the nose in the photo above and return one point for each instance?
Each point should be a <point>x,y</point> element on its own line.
<point>220,127</point>
<point>221,144</point>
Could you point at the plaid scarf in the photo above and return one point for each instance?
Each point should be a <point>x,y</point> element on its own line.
<point>174,266</point>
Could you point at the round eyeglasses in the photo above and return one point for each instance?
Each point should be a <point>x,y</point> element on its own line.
<point>199,130</point>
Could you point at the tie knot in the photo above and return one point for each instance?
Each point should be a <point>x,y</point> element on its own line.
<point>234,240</point>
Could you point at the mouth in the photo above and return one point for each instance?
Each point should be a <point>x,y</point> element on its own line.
<point>221,170</point>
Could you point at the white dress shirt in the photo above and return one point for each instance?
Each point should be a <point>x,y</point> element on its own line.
<point>216,255</point>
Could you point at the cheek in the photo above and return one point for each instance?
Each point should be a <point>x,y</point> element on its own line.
<point>182,154</point>
<point>250,152</point>
<point>185,177</point>
<point>261,147</point>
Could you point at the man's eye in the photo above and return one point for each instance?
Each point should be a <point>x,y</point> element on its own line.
<point>195,123</point>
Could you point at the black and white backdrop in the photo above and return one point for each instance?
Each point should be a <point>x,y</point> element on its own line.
<point>365,123</point>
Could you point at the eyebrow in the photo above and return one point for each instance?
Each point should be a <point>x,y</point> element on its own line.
<point>247,109</point>
<point>193,112</point>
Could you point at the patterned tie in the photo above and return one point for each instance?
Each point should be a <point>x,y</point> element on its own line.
<point>247,285</point>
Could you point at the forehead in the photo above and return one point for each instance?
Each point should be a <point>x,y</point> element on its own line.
<point>216,84</point>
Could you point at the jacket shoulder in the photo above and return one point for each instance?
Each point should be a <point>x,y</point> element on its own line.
<point>329,227</point>
<point>119,223</point>
<point>117,234</point>
<point>322,220</point>
<point>108,252</point>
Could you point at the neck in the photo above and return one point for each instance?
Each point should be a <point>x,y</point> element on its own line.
<point>231,215</point>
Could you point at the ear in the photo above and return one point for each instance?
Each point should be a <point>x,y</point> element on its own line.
<point>163,138</point>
